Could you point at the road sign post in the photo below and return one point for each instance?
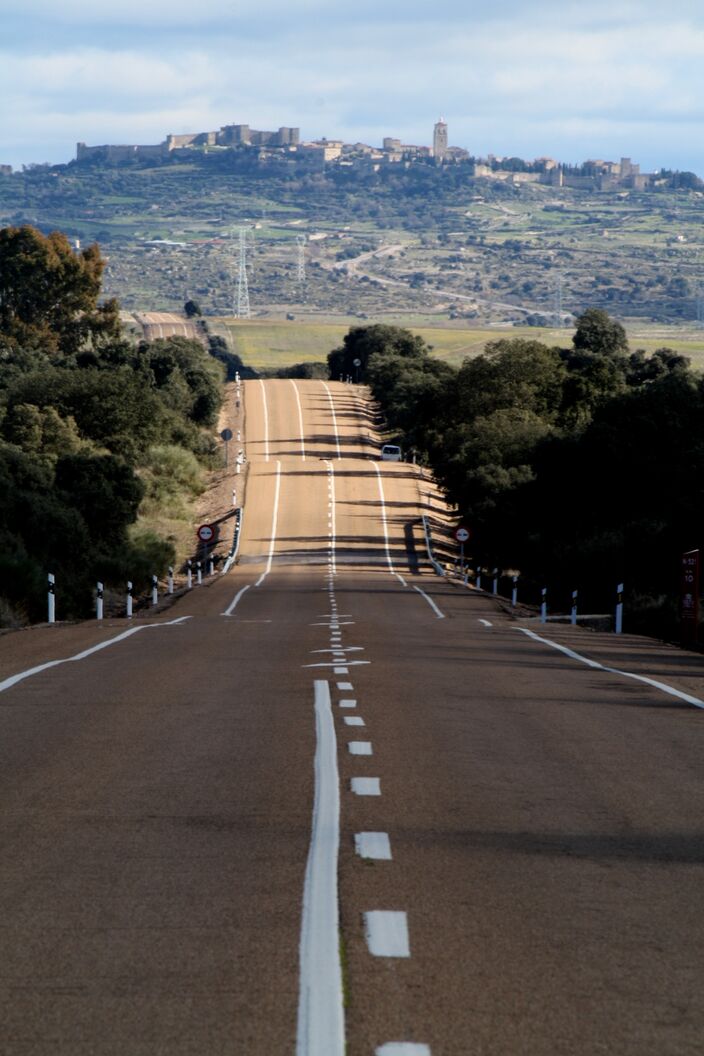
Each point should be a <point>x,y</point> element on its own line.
<point>226,436</point>
<point>462,536</point>
<point>689,597</point>
<point>51,601</point>
<point>618,625</point>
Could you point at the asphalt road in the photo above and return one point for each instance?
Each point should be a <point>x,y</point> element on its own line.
<point>330,798</point>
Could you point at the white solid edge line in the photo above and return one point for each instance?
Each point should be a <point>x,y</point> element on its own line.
<point>333,527</point>
<point>321,1020</point>
<point>385,526</point>
<point>440,615</point>
<point>615,670</point>
<point>233,604</point>
<point>8,683</point>
<point>266,422</point>
<point>387,933</point>
<point>274,523</point>
<point>373,845</point>
<point>300,418</point>
<point>334,418</point>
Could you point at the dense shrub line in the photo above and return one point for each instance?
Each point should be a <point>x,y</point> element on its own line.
<point>91,426</point>
<point>579,467</point>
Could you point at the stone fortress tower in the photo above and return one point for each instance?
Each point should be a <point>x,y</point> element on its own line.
<point>440,139</point>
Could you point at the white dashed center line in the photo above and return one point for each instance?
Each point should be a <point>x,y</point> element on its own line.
<point>354,720</point>
<point>387,933</point>
<point>402,1048</point>
<point>366,786</point>
<point>373,845</point>
<point>360,748</point>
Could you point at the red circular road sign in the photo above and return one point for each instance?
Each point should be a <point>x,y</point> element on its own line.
<point>461,534</point>
<point>206,533</point>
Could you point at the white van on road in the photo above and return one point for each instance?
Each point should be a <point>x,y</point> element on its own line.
<point>391,453</point>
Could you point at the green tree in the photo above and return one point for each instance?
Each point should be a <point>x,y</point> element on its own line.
<point>363,342</point>
<point>598,333</point>
<point>49,294</point>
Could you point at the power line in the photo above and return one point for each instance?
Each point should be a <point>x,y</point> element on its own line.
<point>242,309</point>
<point>558,302</point>
<point>301,261</point>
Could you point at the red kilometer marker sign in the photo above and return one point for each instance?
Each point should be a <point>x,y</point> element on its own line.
<point>206,533</point>
<point>689,597</point>
<point>462,534</point>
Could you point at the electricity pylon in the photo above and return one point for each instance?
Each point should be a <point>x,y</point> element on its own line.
<point>301,261</point>
<point>242,310</point>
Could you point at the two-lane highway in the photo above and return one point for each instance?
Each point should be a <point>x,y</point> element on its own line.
<point>331,803</point>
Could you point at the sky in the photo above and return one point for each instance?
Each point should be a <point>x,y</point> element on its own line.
<point>529,78</point>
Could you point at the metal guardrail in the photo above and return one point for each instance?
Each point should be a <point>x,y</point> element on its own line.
<point>235,548</point>
<point>429,547</point>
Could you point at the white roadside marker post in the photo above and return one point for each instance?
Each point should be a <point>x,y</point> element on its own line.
<point>129,599</point>
<point>495,583</point>
<point>478,580</point>
<point>573,614</point>
<point>619,609</point>
<point>544,605</point>
<point>199,573</point>
<point>99,602</point>
<point>51,599</point>
<point>170,581</point>
<point>155,590</point>
<point>189,574</point>
<point>514,592</point>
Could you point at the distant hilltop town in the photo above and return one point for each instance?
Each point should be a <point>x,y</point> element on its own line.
<point>243,146</point>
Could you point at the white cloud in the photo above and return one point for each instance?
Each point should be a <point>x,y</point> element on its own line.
<point>361,70</point>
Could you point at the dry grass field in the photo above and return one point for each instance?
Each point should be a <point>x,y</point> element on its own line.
<point>268,344</point>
